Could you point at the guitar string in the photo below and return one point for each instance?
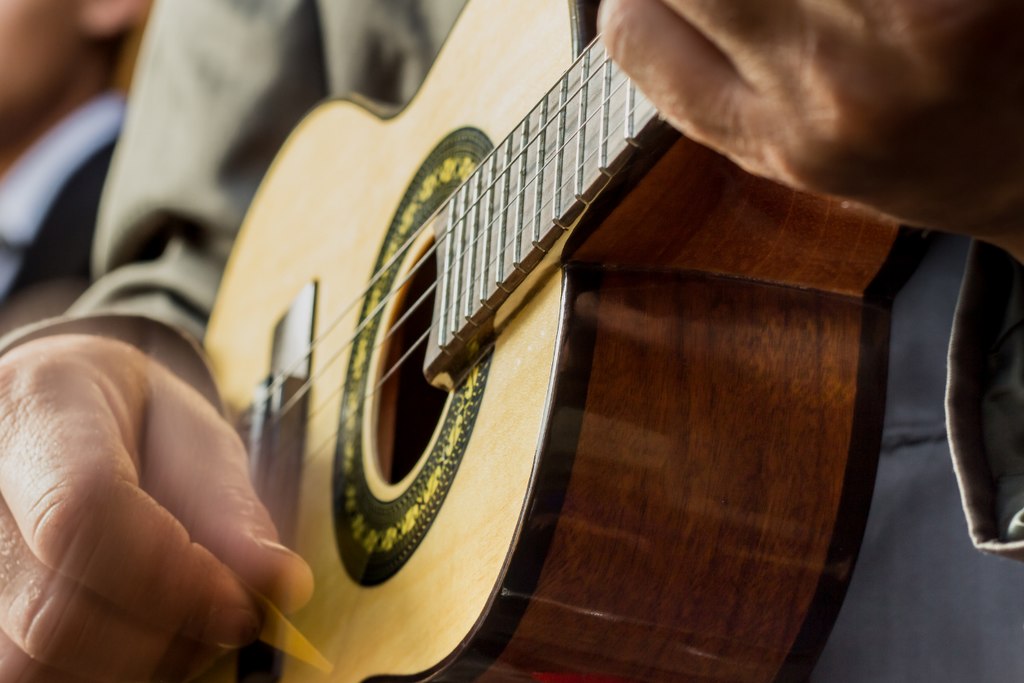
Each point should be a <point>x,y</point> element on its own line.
<point>327,363</point>
<point>278,380</point>
<point>332,437</point>
<point>499,176</point>
<point>329,398</point>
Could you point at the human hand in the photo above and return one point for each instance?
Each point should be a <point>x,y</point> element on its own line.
<point>126,522</point>
<point>912,107</point>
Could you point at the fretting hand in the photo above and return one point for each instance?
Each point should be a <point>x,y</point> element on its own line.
<point>912,107</point>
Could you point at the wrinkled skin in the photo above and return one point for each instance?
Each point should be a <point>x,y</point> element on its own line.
<point>127,522</point>
<point>910,107</point>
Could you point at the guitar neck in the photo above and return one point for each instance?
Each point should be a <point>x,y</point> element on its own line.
<point>525,197</point>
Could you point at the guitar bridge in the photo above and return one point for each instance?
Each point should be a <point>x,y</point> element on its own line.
<point>277,441</point>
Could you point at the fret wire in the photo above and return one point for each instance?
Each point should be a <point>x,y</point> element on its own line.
<point>538,197</point>
<point>503,218</point>
<point>520,195</point>
<point>630,103</point>
<point>446,288</point>
<point>534,160</point>
<point>473,225</point>
<point>559,165</point>
<point>486,251</point>
<point>581,139</point>
<point>642,106</point>
<point>606,85</point>
<point>499,275</point>
<point>455,240</point>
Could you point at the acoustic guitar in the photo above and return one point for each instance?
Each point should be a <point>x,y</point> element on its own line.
<point>544,391</point>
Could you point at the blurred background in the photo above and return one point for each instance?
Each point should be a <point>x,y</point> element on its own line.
<point>65,69</point>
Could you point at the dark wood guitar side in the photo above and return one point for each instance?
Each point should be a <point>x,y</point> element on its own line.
<point>718,403</point>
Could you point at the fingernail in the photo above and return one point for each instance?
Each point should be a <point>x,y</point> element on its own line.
<point>294,585</point>
<point>231,627</point>
<point>273,546</point>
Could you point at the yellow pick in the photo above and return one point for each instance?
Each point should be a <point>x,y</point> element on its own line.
<point>282,634</point>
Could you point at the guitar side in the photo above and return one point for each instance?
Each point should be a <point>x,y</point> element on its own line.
<point>712,447</point>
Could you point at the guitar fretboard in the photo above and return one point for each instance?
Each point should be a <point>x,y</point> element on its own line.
<point>528,193</point>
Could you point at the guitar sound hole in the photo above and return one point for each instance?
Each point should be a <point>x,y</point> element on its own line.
<point>409,407</point>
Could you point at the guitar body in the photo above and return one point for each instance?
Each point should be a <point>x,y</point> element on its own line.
<point>662,469</point>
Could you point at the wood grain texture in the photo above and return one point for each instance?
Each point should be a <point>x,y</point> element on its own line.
<point>698,211</point>
<point>706,486</point>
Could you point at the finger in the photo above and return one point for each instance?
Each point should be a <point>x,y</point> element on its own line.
<point>201,476</point>
<point>18,667</point>
<point>65,626</point>
<point>687,77</point>
<point>72,489</point>
<point>740,28</point>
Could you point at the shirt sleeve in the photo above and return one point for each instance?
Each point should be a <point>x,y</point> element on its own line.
<point>985,400</point>
<point>221,84</point>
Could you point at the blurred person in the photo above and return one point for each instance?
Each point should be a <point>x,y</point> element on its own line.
<point>59,118</point>
<point>163,243</point>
